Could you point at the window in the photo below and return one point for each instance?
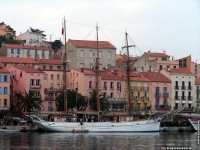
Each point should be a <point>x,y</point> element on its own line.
<point>81,53</point>
<point>176,83</point>
<point>81,65</point>
<point>132,95</point>
<point>176,94</point>
<point>111,95</point>
<point>157,89</point>
<point>174,66</point>
<point>105,85</point>
<point>91,53</point>
<point>45,77</point>
<point>50,106</point>
<point>28,53</point>
<point>12,51</point>
<point>58,67</point>
<point>32,82</point>
<point>145,94</point>
<point>50,67</point>
<point>90,84</point>
<point>18,51</point>
<point>164,89</point>
<point>43,56</point>
<point>119,86</point>
<point>138,94</point>
<point>51,77</point>
<point>104,94</point>
<point>91,65</point>
<point>37,82</point>
<point>58,77</point>
<point>5,90</point>
<point>5,78</point>
<point>168,67</point>
<point>111,85</point>
<point>5,103</point>
<point>44,67</point>
<point>164,59</point>
<point>160,67</point>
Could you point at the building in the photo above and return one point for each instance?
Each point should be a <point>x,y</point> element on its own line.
<point>34,38</point>
<point>82,54</point>
<point>6,30</point>
<point>196,68</point>
<point>25,79</point>
<point>139,93</point>
<point>197,85</point>
<point>186,62</point>
<point>13,50</point>
<point>160,91</point>
<point>4,89</point>
<point>183,88</point>
<point>154,62</point>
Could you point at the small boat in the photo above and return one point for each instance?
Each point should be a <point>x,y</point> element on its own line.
<point>9,130</point>
<point>132,126</point>
<point>194,123</point>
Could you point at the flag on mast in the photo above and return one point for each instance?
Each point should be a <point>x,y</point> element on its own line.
<point>62,28</point>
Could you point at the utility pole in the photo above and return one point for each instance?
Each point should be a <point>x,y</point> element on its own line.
<point>128,70</point>
<point>65,69</point>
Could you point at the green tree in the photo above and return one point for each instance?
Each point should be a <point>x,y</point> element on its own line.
<point>27,101</point>
<point>74,100</point>
<point>9,40</point>
<point>56,45</point>
<point>93,101</point>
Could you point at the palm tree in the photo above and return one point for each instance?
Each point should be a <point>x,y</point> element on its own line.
<point>28,101</point>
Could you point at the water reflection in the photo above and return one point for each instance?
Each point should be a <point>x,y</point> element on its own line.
<point>96,141</point>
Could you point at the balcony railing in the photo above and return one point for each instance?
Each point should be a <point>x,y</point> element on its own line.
<point>198,91</point>
<point>112,88</point>
<point>165,95</point>
<point>189,98</point>
<point>118,89</point>
<point>162,107</point>
<point>176,87</point>
<point>35,86</point>
<point>139,88</point>
<point>54,90</point>
<point>145,88</point>
<point>131,87</point>
<point>49,98</point>
<point>105,88</point>
<point>189,87</point>
<point>157,95</point>
<point>183,87</point>
<point>177,97</point>
<point>183,97</point>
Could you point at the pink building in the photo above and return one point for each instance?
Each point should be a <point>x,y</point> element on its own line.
<point>160,91</point>
<point>26,79</point>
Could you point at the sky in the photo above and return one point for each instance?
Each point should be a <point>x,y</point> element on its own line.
<point>156,25</point>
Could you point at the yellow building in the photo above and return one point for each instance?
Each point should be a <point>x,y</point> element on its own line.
<point>4,89</point>
<point>6,30</point>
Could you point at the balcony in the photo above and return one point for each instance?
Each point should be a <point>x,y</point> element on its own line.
<point>165,95</point>
<point>190,98</point>
<point>35,86</point>
<point>105,88</point>
<point>176,87</point>
<point>112,88</point>
<point>183,87</point>
<point>189,87</point>
<point>49,98</point>
<point>157,95</point>
<point>198,91</point>
<point>162,107</point>
<point>53,90</point>
<point>177,97</point>
<point>139,88</point>
<point>118,89</point>
<point>132,88</point>
<point>183,98</point>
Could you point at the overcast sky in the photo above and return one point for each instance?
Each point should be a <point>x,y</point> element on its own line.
<point>157,25</point>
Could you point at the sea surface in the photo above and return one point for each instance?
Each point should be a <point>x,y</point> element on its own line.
<point>98,141</point>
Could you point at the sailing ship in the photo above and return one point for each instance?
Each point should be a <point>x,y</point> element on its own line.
<point>149,125</point>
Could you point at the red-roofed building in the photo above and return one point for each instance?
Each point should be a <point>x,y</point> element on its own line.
<point>154,62</point>
<point>197,85</point>
<point>4,89</point>
<point>83,53</point>
<point>24,51</point>
<point>183,88</point>
<point>6,30</point>
<point>160,91</point>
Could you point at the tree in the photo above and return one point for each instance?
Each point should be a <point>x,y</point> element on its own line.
<point>74,100</point>
<point>28,101</point>
<point>9,40</point>
<point>38,31</point>
<point>93,101</point>
<point>56,45</point>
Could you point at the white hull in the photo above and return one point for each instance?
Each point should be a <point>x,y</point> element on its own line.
<point>135,126</point>
<point>194,124</point>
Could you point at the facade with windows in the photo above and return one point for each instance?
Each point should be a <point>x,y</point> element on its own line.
<point>4,89</point>
<point>197,95</point>
<point>183,88</point>
<point>83,54</point>
<point>19,51</point>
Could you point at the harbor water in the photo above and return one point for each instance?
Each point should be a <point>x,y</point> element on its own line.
<point>98,141</point>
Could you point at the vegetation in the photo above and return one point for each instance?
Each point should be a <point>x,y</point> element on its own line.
<point>74,101</point>
<point>9,40</point>
<point>56,45</point>
<point>38,31</point>
<point>28,101</point>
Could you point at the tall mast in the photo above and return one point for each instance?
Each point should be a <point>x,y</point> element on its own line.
<point>128,72</point>
<point>97,71</point>
<point>64,70</point>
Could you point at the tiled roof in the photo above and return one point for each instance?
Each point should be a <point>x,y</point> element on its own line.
<point>138,77</point>
<point>28,69</point>
<point>91,44</point>
<point>17,60</point>
<point>4,71</point>
<point>26,47</point>
<point>50,61</point>
<point>86,71</point>
<point>112,75</point>
<point>154,54</point>
<point>197,81</point>
<point>156,77</point>
<point>180,71</point>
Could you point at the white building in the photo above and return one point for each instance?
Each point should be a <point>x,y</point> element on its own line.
<point>183,88</point>
<point>12,50</point>
<point>83,54</point>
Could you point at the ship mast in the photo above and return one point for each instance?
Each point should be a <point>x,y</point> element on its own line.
<point>97,72</point>
<point>64,71</point>
<point>128,70</point>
